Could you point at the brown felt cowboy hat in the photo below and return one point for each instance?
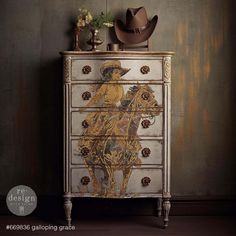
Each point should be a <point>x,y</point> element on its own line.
<point>137,28</point>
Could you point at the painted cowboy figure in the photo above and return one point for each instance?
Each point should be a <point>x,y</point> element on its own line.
<point>115,144</point>
<point>110,93</point>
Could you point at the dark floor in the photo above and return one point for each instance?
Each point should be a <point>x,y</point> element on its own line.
<point>122,226</point>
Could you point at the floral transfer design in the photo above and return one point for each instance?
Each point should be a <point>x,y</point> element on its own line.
<point>117,144</point>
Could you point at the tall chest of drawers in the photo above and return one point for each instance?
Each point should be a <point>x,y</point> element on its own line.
<point>117,126</point>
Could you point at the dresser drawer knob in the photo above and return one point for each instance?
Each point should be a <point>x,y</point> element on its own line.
<point>84,151</point>
<point>145,181</point>
<point>146,124</point>
<point>145,69</point>
<point>85,124</point>
<point>85,180</point>
<point>86,69</point>
<point>86,95</point>
<point>146,152</point>
<point>145,96</point>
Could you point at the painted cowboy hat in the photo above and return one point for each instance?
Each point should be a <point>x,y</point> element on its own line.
<point>114,64</point>
<point>137,28</point>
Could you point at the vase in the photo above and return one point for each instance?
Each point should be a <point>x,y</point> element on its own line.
<point>76,46</point>
<point>94,41</point>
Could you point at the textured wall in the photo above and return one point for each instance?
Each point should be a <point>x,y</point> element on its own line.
<point>202,34</point>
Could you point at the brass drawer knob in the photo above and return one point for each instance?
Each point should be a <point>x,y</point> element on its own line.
<point>84,151</point>
<point>145,69</point>
<point>145,181</point>
<point>86,69</point>
<point>85,180</point>
<point>85,124</point>
<point>146,152</point>
<point>146,124</point>
<point>145,96</point>
<point>86,95</point>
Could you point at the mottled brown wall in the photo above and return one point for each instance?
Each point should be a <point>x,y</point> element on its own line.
<point>201,32</point>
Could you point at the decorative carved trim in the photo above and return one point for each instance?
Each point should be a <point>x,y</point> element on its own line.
<point>66,69</point>
<point>167,69</point>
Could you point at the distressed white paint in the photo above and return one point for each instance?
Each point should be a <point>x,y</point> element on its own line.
<point>134,66</point>
<point>79,89</point>
<point>155,157</point>
<point>154,130</point>
<point>134,185</point>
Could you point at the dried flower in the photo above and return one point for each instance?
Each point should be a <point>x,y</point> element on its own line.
<point>108,24</point>
<point>85,18</point>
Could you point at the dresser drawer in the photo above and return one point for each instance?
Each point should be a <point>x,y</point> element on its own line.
<point>89,70</point>
<point>97,123</point>
<point>95,183</point>
<point>149,151</point>
<point>150,95</point>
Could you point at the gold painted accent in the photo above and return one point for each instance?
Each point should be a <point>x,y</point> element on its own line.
<point>66,69</point>
<point>167,68</point>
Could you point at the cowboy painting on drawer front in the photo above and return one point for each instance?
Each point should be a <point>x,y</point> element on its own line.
<point>117,126</point>
<point>123,114</point>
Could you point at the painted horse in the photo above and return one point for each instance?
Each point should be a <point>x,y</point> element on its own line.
<point>117,143</point>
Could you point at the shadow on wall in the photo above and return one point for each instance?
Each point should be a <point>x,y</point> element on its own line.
<point>51,126</point>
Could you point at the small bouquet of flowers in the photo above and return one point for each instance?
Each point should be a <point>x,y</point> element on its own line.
<point>85,18</point>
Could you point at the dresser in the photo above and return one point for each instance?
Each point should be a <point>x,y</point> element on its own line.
<point>117,126</point>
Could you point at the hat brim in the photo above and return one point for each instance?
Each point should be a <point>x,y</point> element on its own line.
<point>122,70</point>
<point>129,37</point>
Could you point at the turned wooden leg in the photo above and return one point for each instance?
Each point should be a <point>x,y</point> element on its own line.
<point>159,206</point>
<point>68,208</point>
<point>166,210</point>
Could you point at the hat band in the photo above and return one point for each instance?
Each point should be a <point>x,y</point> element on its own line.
<point>138,30</point>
